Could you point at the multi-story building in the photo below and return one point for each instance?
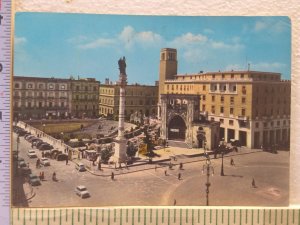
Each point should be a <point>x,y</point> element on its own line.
<point>138,98</point>
<point>251,106</point>
<point>85,97</point>
<point>36,97</point>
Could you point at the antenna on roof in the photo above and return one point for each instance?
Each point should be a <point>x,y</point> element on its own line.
<point>248,66</point>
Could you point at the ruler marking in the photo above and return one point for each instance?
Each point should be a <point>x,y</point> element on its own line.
<point>228,216</point>
<point>72,216</point>
<point>24,215</point>
<point>198,215</point>
<point>78,215</point>
<point>246,216</point>
<point>60,217</point>
<point>132,216</point>
<point>102,214</point>
<point>210,216</point>
<point>186,216</point>
<point>174,215</point>
<point>270,216</point>
<point>96,216</point>
<point>48,219</point>
<point>204,218</point>
<point>193,216</point>
<point>222,216</point>
<point>115,215</point>
<point>162,215</point>
<point>139,215</point>
<point>108,218</point>
<point>54,215</point>
<point>216,217</point>
<point>240,217</point>
<point>252,217</point>
<point>299,217</point>
<point>156,217</point>
<point>84,216</point>
<point>150,215</point>
<point>126,216</point>
<point>168,216</point>
<point>234,214</point>
<point>145,214</point>
<point>258,216</point>
<point>180,217</point>
<point>29,214</point>
<point>275,216</point>
<point>264,217</point>
<point>66,215</point>
<point>293,216</point>
<point>287,217</point>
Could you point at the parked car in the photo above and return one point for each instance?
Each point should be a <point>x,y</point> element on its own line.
<point>45,147</point>
<point>82,191</point>
<point>36,142</point>
<point>62,157</point>
<point>45,162</point>
<point>31,153</point>
<point>40,143</point>
<point>34,180</point>
<point>28,136</point>
<point>26,171</point>
<point>22,164</point>
<point>80,167</point>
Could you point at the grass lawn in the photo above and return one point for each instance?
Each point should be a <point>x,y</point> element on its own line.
<point>65,127</point>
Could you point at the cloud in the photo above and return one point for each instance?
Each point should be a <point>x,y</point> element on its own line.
<point>20,40</point>
<point>189,39</point>
<point>98,43</point>
<point>267,66</point>
<point>194,55</point>
<point>78,39</point>
<point>270,25</point>
<point>223,45</point>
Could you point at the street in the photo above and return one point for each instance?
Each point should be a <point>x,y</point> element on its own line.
<point>153,187</point>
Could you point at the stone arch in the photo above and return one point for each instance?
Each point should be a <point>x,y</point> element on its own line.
<point>176,128</point>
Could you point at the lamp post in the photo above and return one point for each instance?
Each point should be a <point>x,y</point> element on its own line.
<point>44,125</point>
<point>209,168</point>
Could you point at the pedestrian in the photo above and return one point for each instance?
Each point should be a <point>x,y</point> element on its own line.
<point>232,162</point>
<point>155,167</point>
<point>112,176</point>
<point>174,202</point>
<point>99,165</point>
<point>54,176</point>
<point>170,165</point>
<point>67,160</point>
<point>253,183</point>
<point>165,172</point>
<point>181,166</point>
<point>179,176</point>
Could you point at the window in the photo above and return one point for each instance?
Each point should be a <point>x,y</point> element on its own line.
<point>213,109</point>
<point>278,123</point>
<point>243,112</point>
<point>50,104</point>
<point>265,124</point>
<point>257,125</point>
<point>221,120</point>
<point>77,88</point>
<point>204,87</point>
<point>221,109</point>
<point>86,88</point>
<point>95,88</point>
<point>41,86</point>
<point>272,123</point>
<point>40,104</point>
<point>222,99</point>
<point>232,76</point>
<point>242,75</point>
<point>203,108</point>
<point>213,98</point>
<point>213,76</point>
<point>212,119</point>
<point>30,86</point>
<point>85,107</point>
<point>232,100</point>
<point>51,86</point>
<point>231,111</point>
<point>234,88</point>
<point>223,76</point>
<point>17,85</point>
<point>204,97</point>
<point>29,104</point>
<point>63,87</point>
<point>244,89</point>
<point>62,104</point>
<point>231,122</point>
<point>243,100</point>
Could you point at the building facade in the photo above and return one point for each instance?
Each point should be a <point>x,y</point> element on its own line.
<point>251,106</point>
<point>38,98</point>
<point>84,97</point>
<point>138,98</point>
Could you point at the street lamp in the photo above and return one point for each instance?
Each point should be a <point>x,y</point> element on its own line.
<point>44,125</point>
<point>208,167</point>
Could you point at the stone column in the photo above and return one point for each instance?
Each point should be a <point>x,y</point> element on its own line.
<point>164,118</point>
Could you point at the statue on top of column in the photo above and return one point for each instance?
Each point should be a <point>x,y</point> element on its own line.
<point>122,65</point>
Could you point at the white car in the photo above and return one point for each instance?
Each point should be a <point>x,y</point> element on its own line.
<point>45,162</point>
<point>31,153</point>
<point>82,192</point>
<point>80,167</point>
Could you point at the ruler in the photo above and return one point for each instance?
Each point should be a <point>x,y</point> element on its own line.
<point>156,216</point>
<point>5,79</point>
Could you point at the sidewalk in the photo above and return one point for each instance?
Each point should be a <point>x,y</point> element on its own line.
<point>181,155</point>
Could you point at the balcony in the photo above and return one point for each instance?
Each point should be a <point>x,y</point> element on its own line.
<point>243,118</point>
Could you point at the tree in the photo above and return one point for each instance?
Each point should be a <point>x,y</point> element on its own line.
<point>131,150</point>
<point>106,154</point>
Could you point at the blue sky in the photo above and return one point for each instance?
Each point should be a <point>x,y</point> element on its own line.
<point>60,45</point>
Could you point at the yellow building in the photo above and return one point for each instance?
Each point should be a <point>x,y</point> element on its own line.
<point>251,106</point>
<point>84,97</point>
<point>138,98</point>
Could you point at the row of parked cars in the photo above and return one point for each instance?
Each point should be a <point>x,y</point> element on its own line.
<point>37,142</point>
